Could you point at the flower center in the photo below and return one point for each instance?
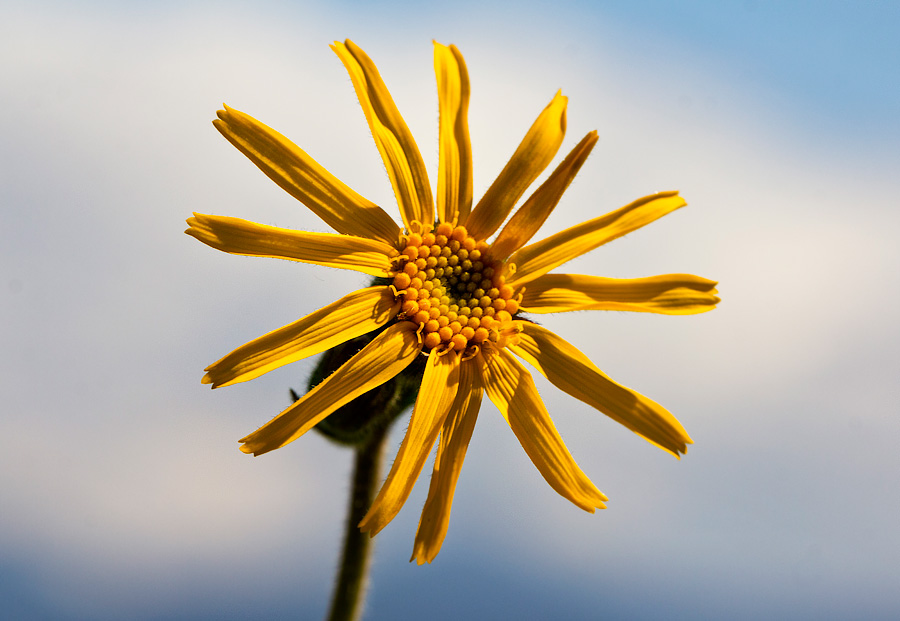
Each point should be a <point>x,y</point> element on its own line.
<point>453,290</point>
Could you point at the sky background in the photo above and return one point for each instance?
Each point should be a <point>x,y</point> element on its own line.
<point>122,490</point>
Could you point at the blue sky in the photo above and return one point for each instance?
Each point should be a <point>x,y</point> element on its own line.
<point>123,493</point>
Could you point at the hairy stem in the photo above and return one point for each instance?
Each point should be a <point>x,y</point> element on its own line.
<point>349,593</point>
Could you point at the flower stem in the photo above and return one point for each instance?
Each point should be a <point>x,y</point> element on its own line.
<point>349,593</point>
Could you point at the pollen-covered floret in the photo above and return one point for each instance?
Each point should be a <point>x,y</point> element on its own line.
<point>453,290</point>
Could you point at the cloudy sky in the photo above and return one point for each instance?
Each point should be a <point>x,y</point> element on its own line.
<point>122,491</point>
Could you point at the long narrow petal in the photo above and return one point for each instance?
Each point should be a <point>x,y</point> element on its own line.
<point>668,294</point>
<point>539,258</point>
<point>512,390</point>
<point>237,236</point>
<point>353,315</point>
<point>534,154</point>
<point>395,142</point>
<point>436,395</point>
<point>454,186</point>
<point>531,215</point>
<point>572,371</point>
<point>305,179</point>
<point>448,462</point>
<point>387,355</point>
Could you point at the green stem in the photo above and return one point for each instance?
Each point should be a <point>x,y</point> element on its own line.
<point>349,593</point>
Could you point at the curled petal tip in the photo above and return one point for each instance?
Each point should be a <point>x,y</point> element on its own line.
<point>251,448</point>
<point>244,448</point>
<point>366,527</point>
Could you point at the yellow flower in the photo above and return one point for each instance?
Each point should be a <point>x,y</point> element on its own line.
<point>452,295</point>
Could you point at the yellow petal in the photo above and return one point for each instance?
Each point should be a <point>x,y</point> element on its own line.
<point>237,236</point>
<point>572,371</point>
<point>436,395</point>
<point>512,390</point>
<point>539,258</point>
<point>534,154</point>
<point>392,137</point>
<point>351,316</point>
<point>668,294</point>
<point>387,355</point>
<point>303,178</point>
<point>454,187</point>
<point>530,216</point>
<point>455,436</point>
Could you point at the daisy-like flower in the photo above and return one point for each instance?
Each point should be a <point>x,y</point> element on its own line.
<point>451,294</point>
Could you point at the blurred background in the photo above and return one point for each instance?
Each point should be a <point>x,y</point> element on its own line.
<point>122,490</point>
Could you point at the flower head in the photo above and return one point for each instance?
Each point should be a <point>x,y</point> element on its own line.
<point>452,294</point>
